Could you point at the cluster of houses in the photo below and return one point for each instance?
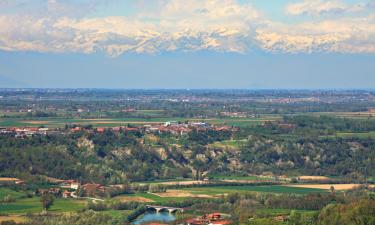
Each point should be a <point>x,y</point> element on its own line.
<point>175,128</point>
<point>23,131</point>
<point>69,188</point>
<point>209,219</point>
<point>168,127</point>
<point>183,128</point>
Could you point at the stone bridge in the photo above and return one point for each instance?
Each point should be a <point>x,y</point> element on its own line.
<point>164,208</point>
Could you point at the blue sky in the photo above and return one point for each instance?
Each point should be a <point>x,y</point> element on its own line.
<point>188,44</point>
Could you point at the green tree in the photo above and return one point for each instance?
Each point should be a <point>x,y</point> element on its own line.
<point>47,201</point>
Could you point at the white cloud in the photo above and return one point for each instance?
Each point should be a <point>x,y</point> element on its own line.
<point>326,7</point>
<point>179,25</point>
<point>343,36</point>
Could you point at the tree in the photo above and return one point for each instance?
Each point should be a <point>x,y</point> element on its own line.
<point>47,201</point>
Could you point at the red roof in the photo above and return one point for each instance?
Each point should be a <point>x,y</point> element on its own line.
<point>222,222</point>
<point>100,129</point>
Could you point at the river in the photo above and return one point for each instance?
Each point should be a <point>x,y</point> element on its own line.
<point>155,217</point>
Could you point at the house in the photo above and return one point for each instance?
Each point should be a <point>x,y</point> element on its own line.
<point>52,191</point>
<point>116,129</point>
<point>131,129</point>
<point>195,221</point>
<point>93,189</point>
<point>66,194</point>
<point>213,216</point>
<point>72,184</point>
<point>76,129</point>
<point>100,130</point>
<point>209,219</point>
<point>170,123</point>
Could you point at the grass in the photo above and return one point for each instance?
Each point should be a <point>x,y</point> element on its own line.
<point>357,135</point>
<point>235,144</point>
<point>158,199</point>
<point>111,122</point>
<point>254,178</point>
<point>266,189</point>
<point>161,181</point>
<point>276,212</point>
<point>33,205</point>
<point>117,214</point>
<point>6,191</point>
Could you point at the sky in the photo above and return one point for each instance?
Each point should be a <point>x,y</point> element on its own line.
<point>132,44</point>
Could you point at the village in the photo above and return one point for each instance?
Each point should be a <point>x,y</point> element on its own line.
<point>172,127</point>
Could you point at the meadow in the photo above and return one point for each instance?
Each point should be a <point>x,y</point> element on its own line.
<point>8,192</point>
<point>220,190</point>
<point>33,205</point>
<point>54,122</point>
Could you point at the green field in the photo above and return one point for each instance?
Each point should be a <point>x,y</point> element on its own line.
<point>240,178</point>
<point>276,212</point>
<point>235,144</point>
<point>33,205</point>
<point>156,199</point>
<point>357,135</point>
<point>117,214</point>
<point>112,122</point>
<point>8,192</point>
<point>266,189</point>
<point>161,181</point>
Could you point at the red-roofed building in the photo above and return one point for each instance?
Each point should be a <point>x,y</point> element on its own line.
<point>221,222</point>
<point>76,129</point>
<point>100,130</point>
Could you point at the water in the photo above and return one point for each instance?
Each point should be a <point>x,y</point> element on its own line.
<point>155,217</point>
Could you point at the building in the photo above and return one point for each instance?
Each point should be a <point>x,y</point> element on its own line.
<point>67,194</point>
<point>76,129</point>
<point>209,219</point>
<point>93,189</point>
<point>100,130</point>
<point>221,222</point>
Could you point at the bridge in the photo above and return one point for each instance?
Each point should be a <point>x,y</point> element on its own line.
<point>164,208</point>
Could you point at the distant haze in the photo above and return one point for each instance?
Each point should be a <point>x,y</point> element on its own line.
<point>188,70</point>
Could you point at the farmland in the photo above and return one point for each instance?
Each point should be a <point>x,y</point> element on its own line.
<point>113,122</point>
<point>262,189</point>
<point>33,205</point>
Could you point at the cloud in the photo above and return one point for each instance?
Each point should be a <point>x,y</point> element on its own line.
<point>326,7</point>
<point>340,36</point>
<point>179,25</point>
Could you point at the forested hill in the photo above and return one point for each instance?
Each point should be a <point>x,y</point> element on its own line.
<point>307,146</point>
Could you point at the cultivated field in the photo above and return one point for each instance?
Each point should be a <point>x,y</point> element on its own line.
<point>33,205</point>
<point>112,122</point>
<point>181,194</point>
<point>338,187</point>
<point>307,178</point>
<point>15,218</point>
